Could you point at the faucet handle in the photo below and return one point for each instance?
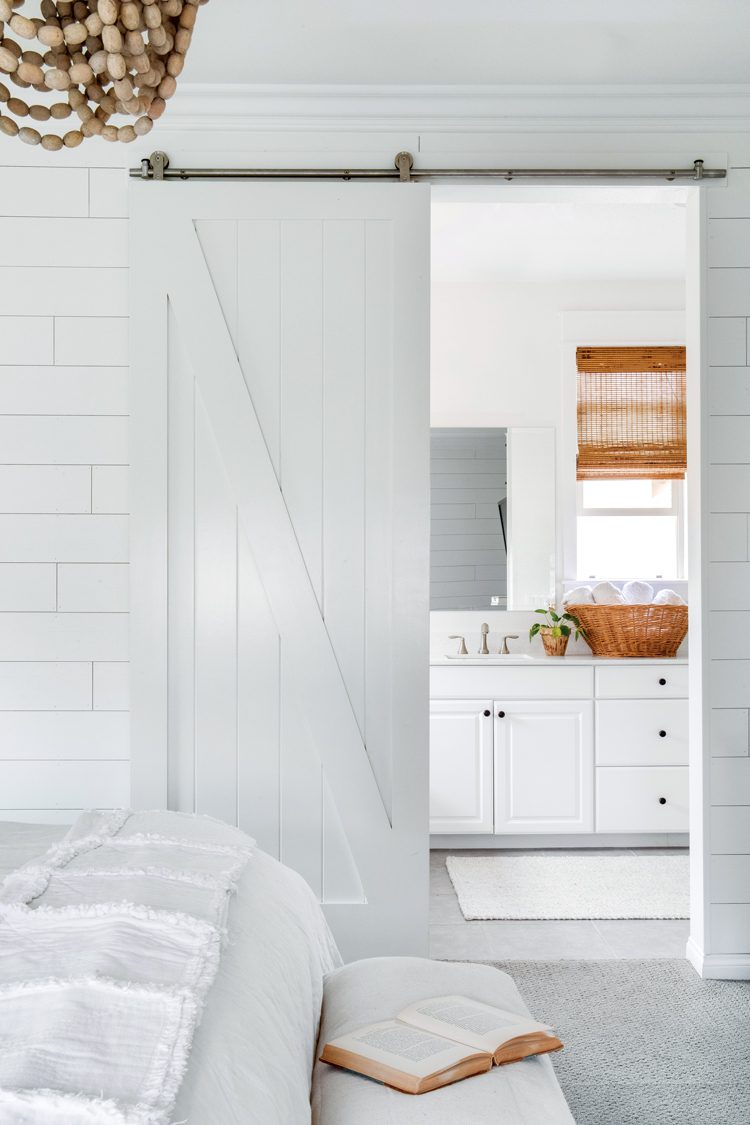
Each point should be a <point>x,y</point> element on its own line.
<point>462,649</point>
<point>483,649</point>
<point>504,650</point>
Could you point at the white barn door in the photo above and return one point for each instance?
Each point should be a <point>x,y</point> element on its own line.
<point>280,535</point>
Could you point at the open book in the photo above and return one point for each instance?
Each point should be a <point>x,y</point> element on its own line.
<point>438,1041</point>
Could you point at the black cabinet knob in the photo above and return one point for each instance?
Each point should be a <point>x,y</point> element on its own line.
<point>662,681</point>
<point>662,800</point>
<point>487,714</point>
<point>501,714</point>
<point>662,734</point>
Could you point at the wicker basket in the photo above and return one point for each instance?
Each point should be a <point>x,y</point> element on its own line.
<point>633,630</point>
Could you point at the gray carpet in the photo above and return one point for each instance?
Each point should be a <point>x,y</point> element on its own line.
<point>646,1042</point>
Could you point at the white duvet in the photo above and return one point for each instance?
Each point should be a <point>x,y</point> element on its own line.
<point>252,1054</point>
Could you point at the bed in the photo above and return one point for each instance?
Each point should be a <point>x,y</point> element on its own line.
<point>253,1053</point>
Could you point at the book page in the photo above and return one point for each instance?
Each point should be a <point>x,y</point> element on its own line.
<point>404,1048</point>
<point>469,1021</point>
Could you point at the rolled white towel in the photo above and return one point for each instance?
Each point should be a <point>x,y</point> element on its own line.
<point>668,597</point>
<point>638,593</point>
<point>581,595</point>
<point>604,593</point>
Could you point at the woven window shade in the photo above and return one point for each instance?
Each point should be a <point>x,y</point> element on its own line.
<point>631,413</point>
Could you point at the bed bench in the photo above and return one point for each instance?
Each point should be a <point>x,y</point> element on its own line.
<point>525,1093</point>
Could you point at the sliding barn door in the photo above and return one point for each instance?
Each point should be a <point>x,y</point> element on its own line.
<point>279,547</point>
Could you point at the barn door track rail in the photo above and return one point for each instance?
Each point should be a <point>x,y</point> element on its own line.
<point>157,167</point>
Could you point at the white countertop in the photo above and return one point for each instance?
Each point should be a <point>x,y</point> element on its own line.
<point>530,659</point>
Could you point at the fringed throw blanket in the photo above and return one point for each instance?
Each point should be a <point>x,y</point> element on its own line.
<point>108,946</point>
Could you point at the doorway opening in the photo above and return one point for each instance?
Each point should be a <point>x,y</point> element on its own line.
<point>559,784</point>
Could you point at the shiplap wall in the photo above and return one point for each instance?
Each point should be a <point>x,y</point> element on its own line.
<point>64,724</point>
<point>728,242</point>
<point>468,478</point>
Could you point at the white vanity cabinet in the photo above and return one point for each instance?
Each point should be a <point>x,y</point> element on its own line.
<point>461,765</point>
<point>544,766</point>
<point>573,746</point>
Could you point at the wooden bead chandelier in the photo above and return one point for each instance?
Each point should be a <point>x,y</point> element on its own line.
<point>105,57</point>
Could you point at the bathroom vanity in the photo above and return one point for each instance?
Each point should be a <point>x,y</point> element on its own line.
<point>538,747</point>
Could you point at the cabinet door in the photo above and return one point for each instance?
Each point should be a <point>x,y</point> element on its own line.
<point>544,766</point>
<point>461,765</point>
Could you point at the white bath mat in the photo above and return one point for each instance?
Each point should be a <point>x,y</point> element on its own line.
<point>566,887</point>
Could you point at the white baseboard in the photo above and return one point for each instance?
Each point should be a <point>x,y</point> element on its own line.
<point>718,966</point>
<point>458,842</point>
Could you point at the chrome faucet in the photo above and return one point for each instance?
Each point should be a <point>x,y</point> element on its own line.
<point>504,650</point>
<point>483,649</point>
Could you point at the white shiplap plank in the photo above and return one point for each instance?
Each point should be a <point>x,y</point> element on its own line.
<point>63,636</point>
<point>730,732</point>
<point>728,242</point>
<point>31,538</point>
<point>729,488</point>
<point>344,452</point>
<point>218,240</point>
<point>44,191</point>
<point>726,635</point>
<point>258,341</point>
<point>730,782</point>
<point>108,188</point>
<point>65,785</point>
<point>27,340</point>
<point>81,243</point>
<point>729,390</point>
<point>44,686</point>
<point>45,489</point>
<point>92,587</point>
<point>730,878</point>
<point>301,789</point>
<point>729,440</point>
<point>302,388</point>
<point>728,537</point>
<point>729,292</point>
<point>730,830</point>
<point>112,686</point>
<point>57,291</point>
<point>62,735</point>
<point>215,630</point>
<point>90,341</point>
<point>63,390</point>
<point>66,440</point>
<point>729,586</point>
<point>729,683</point>
<point>27,586</point>
<point>109,489</point>
<point>727,341</point>
<point>729,927</point>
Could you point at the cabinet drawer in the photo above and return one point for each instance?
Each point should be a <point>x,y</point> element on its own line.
<point>642,732</point>
<point>629,799</point>
<point>514,682</point>
<point>645,681</point>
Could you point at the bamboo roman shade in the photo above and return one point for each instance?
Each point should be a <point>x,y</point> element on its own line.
<point>631,413</point>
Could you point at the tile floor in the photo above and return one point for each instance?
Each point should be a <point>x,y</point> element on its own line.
<point>452,938</point>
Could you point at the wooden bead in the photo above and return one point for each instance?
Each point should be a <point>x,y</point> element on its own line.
<point>98,62</point>
<point>92,127</point>
<point>143,126</point>
<point>29,136</point>
<point>112,39</point>
<point>75,33</point>
<point>167,87</point>
<point>175,65</point>
<point>33,57</point>
<point>109,133</point>
<point>156,109</point>
<point>51,142</point>
<point>39,113</point>
<point>182,40</point>
<point>5,11</point>
<point>130,16</point>
<point>75,98</point>
<point>17,107</point>
<point>4,93</point>
<point>81,74</point>
<point>116,66</point>
<point>8,61</point>
<point>49,9</point>
<point>27,30</point>
<point>30,73</point>
<point>60,111</point>
<point>94,24</point>
<point>57,79</point>
<point>8,126</point>
<point>108,10</point>
<point>72,139</point>
<point>152,16</point>
<point>51,36</point>
<point>126,134</point>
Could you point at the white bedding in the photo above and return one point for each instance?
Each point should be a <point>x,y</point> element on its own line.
<point>253,1052</point>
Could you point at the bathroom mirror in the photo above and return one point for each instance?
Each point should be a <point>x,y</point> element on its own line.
<point>493,518</point>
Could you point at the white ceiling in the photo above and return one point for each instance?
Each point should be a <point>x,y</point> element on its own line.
<point>472,41</point>
<point>545,234</point>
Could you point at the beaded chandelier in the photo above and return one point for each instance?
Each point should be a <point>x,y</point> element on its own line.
<point>104,57</point>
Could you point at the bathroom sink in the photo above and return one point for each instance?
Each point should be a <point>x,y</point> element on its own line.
<point>494,658</point>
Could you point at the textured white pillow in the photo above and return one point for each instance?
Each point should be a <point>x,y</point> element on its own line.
<point>668,597</point>
<point>604,593</point>
<point>581,595</point>
<point>638,593</point>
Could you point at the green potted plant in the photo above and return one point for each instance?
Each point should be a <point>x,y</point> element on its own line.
<point>555,630</point>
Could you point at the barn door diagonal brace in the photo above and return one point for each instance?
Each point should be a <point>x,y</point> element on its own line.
<point>157,167</point>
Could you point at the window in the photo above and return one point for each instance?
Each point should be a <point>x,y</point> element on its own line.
<point>631,528</point>
<point>632,458</point>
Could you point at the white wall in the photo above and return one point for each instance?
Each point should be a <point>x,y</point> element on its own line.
<point>64,741</point>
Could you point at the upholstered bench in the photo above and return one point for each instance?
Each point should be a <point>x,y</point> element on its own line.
<point>523,1093</point>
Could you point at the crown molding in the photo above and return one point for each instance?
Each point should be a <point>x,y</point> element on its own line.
<point>653,108</point>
